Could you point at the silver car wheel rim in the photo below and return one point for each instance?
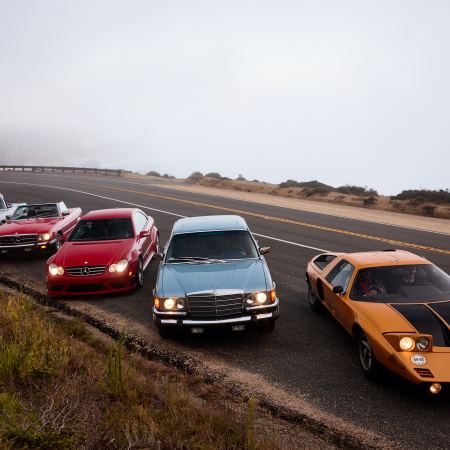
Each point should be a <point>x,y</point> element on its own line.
<point>157,244</point>
<point>141,274</point>
<point>365,353</point>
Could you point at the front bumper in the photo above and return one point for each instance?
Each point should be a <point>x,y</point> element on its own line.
<point>27,247</point>
<point>436,369</point>
<point>106,283</point>
<point>182,319</point>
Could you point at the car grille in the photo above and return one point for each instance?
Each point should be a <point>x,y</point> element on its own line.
<point>85,270</point>
<point>17,240</point>
<point>424,373</point>
<point>212,306</point>
<point>86,288</point>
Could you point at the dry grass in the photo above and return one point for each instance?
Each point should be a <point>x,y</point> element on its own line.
<point>62,388</point>
<point>321,194</point>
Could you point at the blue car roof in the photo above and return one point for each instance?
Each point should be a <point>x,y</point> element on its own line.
<point>209,223</point>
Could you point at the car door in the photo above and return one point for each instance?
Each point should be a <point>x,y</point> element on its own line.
<point>144,243</point>
<point>341,275</point>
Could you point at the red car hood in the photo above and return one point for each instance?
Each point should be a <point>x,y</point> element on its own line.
<point>28,226</point>
<point>100,253</point>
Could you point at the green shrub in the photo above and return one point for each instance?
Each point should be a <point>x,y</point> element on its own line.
<point>356,190</point>
<point>424,195</point>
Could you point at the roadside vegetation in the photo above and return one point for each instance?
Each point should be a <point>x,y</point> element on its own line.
<point>435,203</point>
<point>62,387</point>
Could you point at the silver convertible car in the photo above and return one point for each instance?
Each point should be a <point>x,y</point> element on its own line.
<point>213,274</point>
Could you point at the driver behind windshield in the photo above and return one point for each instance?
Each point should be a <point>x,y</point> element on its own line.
<point>367,285</point>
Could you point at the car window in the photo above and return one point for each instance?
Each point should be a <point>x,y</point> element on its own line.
<point>401,284</point>
<point>233,244</point>
<point>139,221</point>
<point>35,211</point>
<point>322,261</point>
<point>102,230</point>
<point>2,204</point>
<point>341,274</point>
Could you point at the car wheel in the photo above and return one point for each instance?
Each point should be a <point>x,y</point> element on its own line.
<point>314,302</point>
<point>267,326</point>
<point>57,244</point>
<point>157,243</point>
<point>369,364</point>
<point>140,274</point>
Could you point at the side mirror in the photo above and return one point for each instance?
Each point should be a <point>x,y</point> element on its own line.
<point>159,256</point>
<point>144,233</point>
<point>338,290</point>
<point>264,250</point>
<point>9,205</point>
<point>7,218</point>
<point>62,238</point>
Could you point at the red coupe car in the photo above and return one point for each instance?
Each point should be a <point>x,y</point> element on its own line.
<point>107,252</point>
<point>38,226</point>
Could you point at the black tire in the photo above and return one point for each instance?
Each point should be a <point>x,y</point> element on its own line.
<point>367,360</point>
<point>57,243</point>
<point>140,274</point>
<point>267,325</point>
<point>314,302</point>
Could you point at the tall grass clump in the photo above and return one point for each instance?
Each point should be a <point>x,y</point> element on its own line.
<point>61,387</point>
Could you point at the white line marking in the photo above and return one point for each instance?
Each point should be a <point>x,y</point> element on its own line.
<point>151,183</point>
<point>153,209</point>
<point>292,243</point>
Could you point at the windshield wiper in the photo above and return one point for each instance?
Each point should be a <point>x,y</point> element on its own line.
<point>199,259</point>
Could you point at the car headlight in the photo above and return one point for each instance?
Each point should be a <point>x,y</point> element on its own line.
<point>261,298</point>
<point>406,343</point>
<point>170,303</point>
<point>44,237</point>
<point>422,343</point>
<point>54,270</point>
<point>119,267</point>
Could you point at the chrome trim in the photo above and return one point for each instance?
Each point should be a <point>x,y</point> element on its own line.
<point>217,322</point>
<point>216,293</point>
<point>170,313</point>
<point>269,305</point>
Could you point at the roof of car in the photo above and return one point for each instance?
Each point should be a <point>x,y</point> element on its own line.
<point>209,223</point>
<point>113,213</point>
<point>386,257</point>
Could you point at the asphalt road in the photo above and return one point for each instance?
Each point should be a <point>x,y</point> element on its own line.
<point>307,354</point>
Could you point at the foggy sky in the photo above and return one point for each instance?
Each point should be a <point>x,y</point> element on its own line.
<point>340,91</point>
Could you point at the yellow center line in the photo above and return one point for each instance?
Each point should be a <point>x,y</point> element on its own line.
<point>277,219</point>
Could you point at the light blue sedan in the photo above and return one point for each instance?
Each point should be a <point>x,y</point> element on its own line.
<point>213,274</point>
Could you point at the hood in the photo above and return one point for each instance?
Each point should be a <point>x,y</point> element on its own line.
<point>29,226</point>
<point>428,318</point>
<point>101,253</point>
<point>178,280</point>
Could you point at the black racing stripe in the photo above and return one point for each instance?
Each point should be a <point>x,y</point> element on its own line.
<point>424,321</point>
<point>443,309</point>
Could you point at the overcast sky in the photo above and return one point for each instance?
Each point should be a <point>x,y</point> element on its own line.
<point>342,91</point>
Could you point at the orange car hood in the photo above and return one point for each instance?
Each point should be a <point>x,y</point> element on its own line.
<point>427,318</point>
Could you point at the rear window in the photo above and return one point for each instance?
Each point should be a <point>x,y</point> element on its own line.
<point>102,230</point>
<point>322,261</point>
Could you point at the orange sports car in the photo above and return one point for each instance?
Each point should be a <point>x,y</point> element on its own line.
<point>395,304</point>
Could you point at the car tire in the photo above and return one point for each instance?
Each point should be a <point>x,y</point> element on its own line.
<point>140,274</point>
<point>313,301</point>
<point>57,243</point>
<point>367,360</point>
<point>267,326</point>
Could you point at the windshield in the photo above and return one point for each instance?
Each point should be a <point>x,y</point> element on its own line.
<point>2,203</point>
<point>35,211</point>
<point>401,284</point>
<point>102,230</point>
<point>212,245</point>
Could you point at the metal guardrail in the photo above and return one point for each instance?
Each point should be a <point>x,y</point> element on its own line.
<point>14,168</point>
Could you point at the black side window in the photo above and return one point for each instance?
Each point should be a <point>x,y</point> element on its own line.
<point>322,261</point>
<point>139,221</point>
<point>341,274</point>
